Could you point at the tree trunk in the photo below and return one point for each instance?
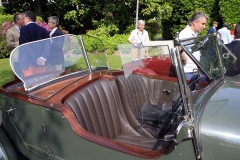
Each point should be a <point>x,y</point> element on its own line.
<point>38,7</point>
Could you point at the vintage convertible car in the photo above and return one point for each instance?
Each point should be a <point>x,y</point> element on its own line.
<point>75,107</point>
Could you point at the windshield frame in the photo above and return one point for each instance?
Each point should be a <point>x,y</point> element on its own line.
<point>190,41</point>
<point>78,46</point>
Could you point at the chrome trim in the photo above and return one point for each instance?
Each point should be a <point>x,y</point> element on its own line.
<point>85,53</point>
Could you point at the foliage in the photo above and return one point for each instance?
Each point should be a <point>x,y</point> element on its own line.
<point>110,43</point>
<point>4,50</point>
<point>5,70</point>
<point>108,31</point>
<point>14,6</point>
<point>154,28</point>
<point>6,26</point>
<point>6,18</point>
<point>229,11</point>
<point>79,16</point>
<point>43,24</point>
<point>183,10</point>
<point>1,9</point>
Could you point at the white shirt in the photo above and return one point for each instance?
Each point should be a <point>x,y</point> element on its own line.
<point>17,28</point>
<point>138,37</point>
<point>187,32</point>
<point>52,31</point>
<point>225,35</point>
<point>30,22</point>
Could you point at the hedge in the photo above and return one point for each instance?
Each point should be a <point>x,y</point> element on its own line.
<point>110,43</point>
<point>183,10</point>
<point>229,11</point>
<point>6,18</point>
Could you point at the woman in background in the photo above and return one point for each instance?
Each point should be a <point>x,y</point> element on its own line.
<point>136,38</point>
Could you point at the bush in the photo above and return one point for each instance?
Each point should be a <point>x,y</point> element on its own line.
<point>4,50</point>
<point>1,10</point>
<point>182,12</point>
<point>108,31</point>
<point>154,28</point>
<point>110,43</point>
<point>229,11</point>
<point>6,18</point>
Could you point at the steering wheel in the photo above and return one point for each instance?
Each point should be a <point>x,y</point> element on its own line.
<point>194,80</point>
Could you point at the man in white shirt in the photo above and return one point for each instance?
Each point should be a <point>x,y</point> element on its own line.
<point>195,24</point>
<point>136,38</point>
<point>225,34</point>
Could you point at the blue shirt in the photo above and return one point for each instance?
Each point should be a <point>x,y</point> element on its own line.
<point>211,30</point>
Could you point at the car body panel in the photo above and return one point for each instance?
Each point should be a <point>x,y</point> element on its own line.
<point>7,151</point>
<point>220,133</point>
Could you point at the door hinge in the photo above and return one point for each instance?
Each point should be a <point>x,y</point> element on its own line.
<point>10,110</point>
<point>44,128</point>
<point>47,148</point>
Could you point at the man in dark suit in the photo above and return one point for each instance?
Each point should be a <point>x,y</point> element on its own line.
<point>35,55</point>
<point>234,47</point>
<point>213,28</point>
<point>56,57</point>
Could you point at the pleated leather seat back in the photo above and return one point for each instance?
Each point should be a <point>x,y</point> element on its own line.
<point>99,110</point>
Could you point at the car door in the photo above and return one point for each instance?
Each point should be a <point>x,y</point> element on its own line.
<point>26,126</point>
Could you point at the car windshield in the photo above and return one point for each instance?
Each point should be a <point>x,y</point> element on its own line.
<point>41,62</point>
<point>210,54</point>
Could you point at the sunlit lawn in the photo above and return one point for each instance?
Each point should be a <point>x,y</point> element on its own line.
<point>7,75</point>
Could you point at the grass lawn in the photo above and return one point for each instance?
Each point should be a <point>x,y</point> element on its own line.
<point>7,75</point>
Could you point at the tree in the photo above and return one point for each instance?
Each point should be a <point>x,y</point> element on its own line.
<point>183,10</point>
<point>14,6</point>
<point>79,16</point>
<point>229,11</point>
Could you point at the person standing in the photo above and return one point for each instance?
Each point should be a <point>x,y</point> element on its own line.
<point>225,33</point>
<point>232,31</point>
<point>53,22</point>
<point>32,60</point>
<point>234,47</point>
<point>213,28</point>
<point>195,25</point>
<point>56,57</point>
<point>12,37</point>
<point>136,38</point>
<point>13,33</point>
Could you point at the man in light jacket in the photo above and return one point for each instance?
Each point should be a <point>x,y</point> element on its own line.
<point>13,33</point>
<point>225,33</point>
